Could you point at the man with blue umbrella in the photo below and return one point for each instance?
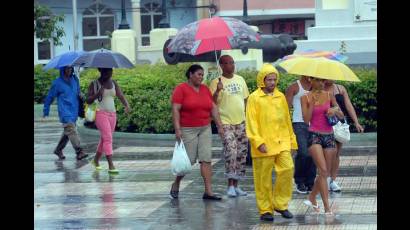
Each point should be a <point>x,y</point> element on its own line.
<point>67,90</point>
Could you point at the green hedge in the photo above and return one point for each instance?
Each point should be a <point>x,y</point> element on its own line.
<point>148,89</point>
<point>42,82</point>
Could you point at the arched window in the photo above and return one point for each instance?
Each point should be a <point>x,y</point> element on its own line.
<point>98,24</point>
<point>150,17</point>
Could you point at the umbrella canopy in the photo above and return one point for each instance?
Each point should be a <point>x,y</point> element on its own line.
<point>212,34</point>
<point>315,53</point>
<point>62,60</point>
<point>320,68</point>
<point>103,58</point>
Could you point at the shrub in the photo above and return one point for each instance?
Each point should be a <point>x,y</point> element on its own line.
<point>42,82</point>
<point>148,89</point>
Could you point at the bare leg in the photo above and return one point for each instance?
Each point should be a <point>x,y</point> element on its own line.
<point>97,158</point>
<point>320,184</point>
<point>175,185</point>
<point>335,163</point>
<point>206,172</point>
<point>110,163</point>
<point>231,182</point>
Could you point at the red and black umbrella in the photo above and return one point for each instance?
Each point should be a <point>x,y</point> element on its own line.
<point>212,34</point>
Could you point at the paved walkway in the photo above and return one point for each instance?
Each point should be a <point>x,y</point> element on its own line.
<point>71,195</point>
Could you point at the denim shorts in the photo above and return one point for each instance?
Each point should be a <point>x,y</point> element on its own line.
<point>325,140</point>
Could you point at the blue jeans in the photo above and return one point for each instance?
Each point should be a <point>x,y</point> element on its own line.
<point>305,168</point>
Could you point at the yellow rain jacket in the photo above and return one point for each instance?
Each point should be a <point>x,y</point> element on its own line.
<point>268,120</point>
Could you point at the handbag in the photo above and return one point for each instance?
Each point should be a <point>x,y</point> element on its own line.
<point>332,120</point>
<point>342,132</point>
<point>180,163</point>
<point>90,110</point>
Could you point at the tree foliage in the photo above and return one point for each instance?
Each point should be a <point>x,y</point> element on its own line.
<point>46,24</point>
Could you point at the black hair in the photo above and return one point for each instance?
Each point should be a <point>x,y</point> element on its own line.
<point>192,69</point>
<point>220,58</point>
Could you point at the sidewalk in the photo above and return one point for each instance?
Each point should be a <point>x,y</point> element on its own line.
<point>71,195</point>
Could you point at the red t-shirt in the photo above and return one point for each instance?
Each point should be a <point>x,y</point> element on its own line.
<point>196,106</point>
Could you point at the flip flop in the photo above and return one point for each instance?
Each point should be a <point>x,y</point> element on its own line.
<point>95,166</point>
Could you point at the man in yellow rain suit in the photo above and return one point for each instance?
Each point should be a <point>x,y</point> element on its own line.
<point>270,132</point>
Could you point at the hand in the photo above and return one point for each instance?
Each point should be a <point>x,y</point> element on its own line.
<point>127,109</point>
<point>359,128</point>
<point>293,151</point>
<point>262,148</point>
<point>219,86</point>
<point>221,132</point>
<point>178,135</point>
<point>331,112</point>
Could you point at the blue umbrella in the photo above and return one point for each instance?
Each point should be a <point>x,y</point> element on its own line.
<point>103,58</point>
<point>62,60</point>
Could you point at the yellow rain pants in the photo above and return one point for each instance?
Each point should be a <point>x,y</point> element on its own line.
<point>270,197</point>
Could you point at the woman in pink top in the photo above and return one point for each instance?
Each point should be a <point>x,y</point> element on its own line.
<point>316,105</point>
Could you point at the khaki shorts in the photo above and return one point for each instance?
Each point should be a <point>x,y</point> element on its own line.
<point>198,143</point>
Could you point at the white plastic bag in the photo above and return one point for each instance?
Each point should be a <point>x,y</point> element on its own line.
<point>180,163</point>
<point>342,132</point>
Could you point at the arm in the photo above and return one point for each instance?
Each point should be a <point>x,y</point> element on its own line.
<point>217,120</point>
<point>92,96</point>
<point>335,110</point>
<point>52,93</point>
<point>293,142</point>
<point>216,91</point>
<point>307,108</point>
<point>176,120</point>
<point>350,110</point>
<point>121,96</point>
<point>290,93</point>
<point>252,127</point>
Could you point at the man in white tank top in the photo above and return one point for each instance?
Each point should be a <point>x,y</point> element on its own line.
<point>305,169</point>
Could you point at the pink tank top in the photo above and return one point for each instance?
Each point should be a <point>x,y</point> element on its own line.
<point>318,122</point>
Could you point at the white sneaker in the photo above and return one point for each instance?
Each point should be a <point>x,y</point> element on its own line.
<point>334,186</point>
<point>240,192</point>
<point>231,192</point>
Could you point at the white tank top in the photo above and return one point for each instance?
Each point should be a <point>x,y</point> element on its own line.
<point>297,107</point>
<point>107,102</point>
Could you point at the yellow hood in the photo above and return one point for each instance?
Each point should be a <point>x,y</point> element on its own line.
<point>265,70</point>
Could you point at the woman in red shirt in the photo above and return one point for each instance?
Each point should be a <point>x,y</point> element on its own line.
<point>192,110</point>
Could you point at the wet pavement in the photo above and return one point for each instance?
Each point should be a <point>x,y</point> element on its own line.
<point>71,195</point>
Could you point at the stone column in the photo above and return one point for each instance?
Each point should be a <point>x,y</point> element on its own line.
<point>202,12</point>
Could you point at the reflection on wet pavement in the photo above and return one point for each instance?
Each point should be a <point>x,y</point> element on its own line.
<point>69,194</point>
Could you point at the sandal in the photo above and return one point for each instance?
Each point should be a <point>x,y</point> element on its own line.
<point>113,171</point>
<point>60,155</point>
<point>92,162</point>
<point>81,155</point>
<point>310,205</point>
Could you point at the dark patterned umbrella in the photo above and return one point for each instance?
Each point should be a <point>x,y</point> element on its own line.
<point>212,34</point>
<point>103,58</point>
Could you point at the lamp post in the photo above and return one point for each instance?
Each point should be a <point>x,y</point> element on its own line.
<point>245,17</point>
<point>164,23</point>
<point>124,24</point>
<point>75,34</point>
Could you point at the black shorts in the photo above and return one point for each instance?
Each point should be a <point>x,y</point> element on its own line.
<point>325,140</point>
